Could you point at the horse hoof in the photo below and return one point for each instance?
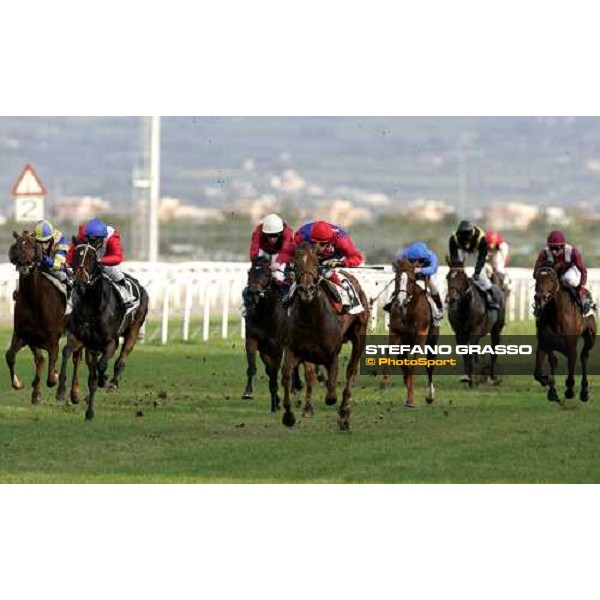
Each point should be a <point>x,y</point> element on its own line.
<point>331,400</point>
<point>17,384</point>
<point>429,400</point>
<point>289,420</point>
<point>569,393</point>
<point>584,395</point>
<point>36,399</point>
<point>89,415</point>
<point>308,412</point>
<point>61,394</point>
<point>552,395</point>
<point>75,398</point>
<point>111,388</point>
<point>247,396</point>
<point>344,424</point>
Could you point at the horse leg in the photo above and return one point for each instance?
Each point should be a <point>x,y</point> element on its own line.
<point>393,340</point>
<point>296,380</point>
<point>290,360</point>
<point>332,375</point>
<point>129,343</point>
<point>108,353</point>
<point>75,390</point>
<point>588,344</point>
<point>409,383</point>
<point>251,349</point>
<point>552,393</point>
<point>91,359</point>
<point>36,393</point>
<point>52,360</point>
<point>61,392</point>
<point>570,381</point>
<point>311,381</point>
<point>495,334</point>
<point>272,366</point>
<point>16,344</point>
<point>540,356</point>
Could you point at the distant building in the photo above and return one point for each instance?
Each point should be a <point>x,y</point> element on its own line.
<point>338,211</point>
<point>427,210</point>
<point>78,209</point>
<point>289,182</point>
<point>172,209</point>
<point>256,209</point>
<point>510,215</point>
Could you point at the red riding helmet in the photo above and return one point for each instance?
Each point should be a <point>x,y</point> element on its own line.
<point>493,239</point>
<point>321,232</point>
<point>556,239</point>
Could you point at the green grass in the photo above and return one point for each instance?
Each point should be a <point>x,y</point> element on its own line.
<point>194,428</point>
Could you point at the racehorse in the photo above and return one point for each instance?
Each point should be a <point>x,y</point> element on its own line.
<point>559,326</point>
<point>266,325</point>
<point>39,319</point>
<point>471,318</point>
<point>411,323</point>
<point>97,322</point>
<point>316,333</point>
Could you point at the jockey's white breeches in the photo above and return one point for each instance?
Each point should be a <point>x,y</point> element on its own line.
<point>572,277</point>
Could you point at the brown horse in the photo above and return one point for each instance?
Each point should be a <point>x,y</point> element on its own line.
<point>411,323</point>
<point>39,320</point>
<point>316,333</point>
<point>559,326</point>
<point>471,318</point>
<point>97,323</point>
<point>266,328</point>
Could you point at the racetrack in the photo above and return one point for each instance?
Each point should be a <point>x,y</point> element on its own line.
<point>179,418</point>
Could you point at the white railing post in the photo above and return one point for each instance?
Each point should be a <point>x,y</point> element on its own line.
<point>187,309</point>
<point>225,314</point>
<point>206,312</point>
<point>164,332</point>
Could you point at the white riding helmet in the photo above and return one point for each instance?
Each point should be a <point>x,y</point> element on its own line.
<point>272,224</point>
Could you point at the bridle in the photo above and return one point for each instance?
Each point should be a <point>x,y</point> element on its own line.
<point>30,265</point>
<point>464,290</point>
<point>86,276</point>
<point>548,293</point>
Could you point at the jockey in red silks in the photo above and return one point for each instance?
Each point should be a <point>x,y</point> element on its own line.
<point>273,239</point>
<point>334,249</point>
<point>566,260</point>
<point>497,257</point>
<point>106,241</point>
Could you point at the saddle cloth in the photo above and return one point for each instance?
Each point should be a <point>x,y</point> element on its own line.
<point>130,304</point>
<point>59,285</point>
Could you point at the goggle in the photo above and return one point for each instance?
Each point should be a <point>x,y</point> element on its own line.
<point>557,247</point>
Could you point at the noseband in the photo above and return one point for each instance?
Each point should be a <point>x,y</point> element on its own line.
<point>81,269</point>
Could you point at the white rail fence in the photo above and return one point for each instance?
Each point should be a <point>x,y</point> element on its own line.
<point>202,300</point>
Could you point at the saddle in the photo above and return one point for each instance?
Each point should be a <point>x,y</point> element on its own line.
<point>130,304</point>
<point>59,285</point>
<point>334,295</point>
<point>495,292</point>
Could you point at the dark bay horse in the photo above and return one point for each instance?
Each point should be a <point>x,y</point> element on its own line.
<point>411,323</point>
<point>266,328</point>
<point>97,323</point>
<point>559,326</point>
<point>316,333</point>
<point>39,320</point>
<point>471,318</point>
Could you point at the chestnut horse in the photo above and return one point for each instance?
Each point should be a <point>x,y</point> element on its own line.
<point>411,323</point>
<point>97,323</point>
<point>266,325</point>
<point>559,326</point>
<point>316,333</point>
<point>471,318</point>
<point>39,320</point>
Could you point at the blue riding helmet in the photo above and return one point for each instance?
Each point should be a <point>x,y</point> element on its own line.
<point>96,229</point>
<point>416,251</point>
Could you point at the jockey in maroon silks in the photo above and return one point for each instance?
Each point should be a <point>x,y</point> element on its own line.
<point>335,249</point>
<point>568,263</point>
<point>273,239</point>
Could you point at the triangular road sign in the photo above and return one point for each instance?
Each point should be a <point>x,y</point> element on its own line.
<point>29,184</point>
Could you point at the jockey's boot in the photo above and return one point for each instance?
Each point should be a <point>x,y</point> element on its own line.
<point>355,307</point>
<point>287,299</point>
<point>388,306</point>
<point>492,302</point>
<point>437,318</point>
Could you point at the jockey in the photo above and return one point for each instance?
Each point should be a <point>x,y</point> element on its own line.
<point>334,249</point>
<point>54,246</point>
<point>107,243</point>
<point>426,266</point>
<point>469,240</point>
<point>498,256</point>
<point>272,239</point>
<point>566,260</point>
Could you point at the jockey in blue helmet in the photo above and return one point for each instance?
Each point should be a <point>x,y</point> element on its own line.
<point>425,263</point>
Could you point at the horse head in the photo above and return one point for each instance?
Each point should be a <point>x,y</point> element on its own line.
<point>306,270</point>
<point>458,283</point>
<point>85,264</point>
<point>259,278</point>
<point>24,253</point>
<point>546,286</point>
<point>406,281</point>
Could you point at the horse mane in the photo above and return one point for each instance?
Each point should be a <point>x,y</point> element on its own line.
<point>403,264</point>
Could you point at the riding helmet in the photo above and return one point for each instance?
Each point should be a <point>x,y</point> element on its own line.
<point>321,232</point>
<point>556,238</point>
<point>44,230</point>
<point>96,229</point>
<point>272,224</point>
